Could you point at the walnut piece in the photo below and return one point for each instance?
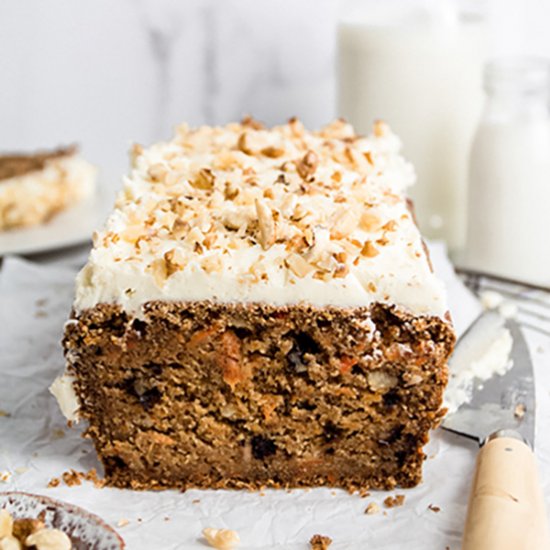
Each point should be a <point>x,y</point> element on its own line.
<point>392,502</point>
<point>204,180</point>
<point>381,381</point>
<point>266,224</point>
<point>10,543</point>
<point>298,265</point>
<point>222,539</point>
<point>6,523</point>
<point>307,166</point>
<point>320,542</point>
<point>49,539</point>
<point>372,509</point>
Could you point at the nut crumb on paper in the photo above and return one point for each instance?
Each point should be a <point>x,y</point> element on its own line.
<point>372,509</point>
<point>320,542</point>
<point>72,478</point>
<point>54,482</point>
<point>433,508</point>
<point>122,522</point>
<point>221,539</point>
<point>4,413</point>
<point>5,476</point>
<point>58,433</point>
<point>393,502</point>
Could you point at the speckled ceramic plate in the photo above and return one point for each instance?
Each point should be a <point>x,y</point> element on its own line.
<point>86,531</point>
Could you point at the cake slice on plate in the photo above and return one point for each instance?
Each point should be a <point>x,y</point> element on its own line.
<point>35,187</point>
<point>260,311</point>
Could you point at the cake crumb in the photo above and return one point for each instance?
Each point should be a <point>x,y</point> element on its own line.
<point>5,476</point>
<point>58,433</point>
<point>54,482</point>
<point>372,509</point>
<point>122,522</point>
<point>519,411</point>
<point>195,501</point>
<point>433,508</point>
<point>166,518</point>
<point>392,502</point>
<point>222,539</point>
<point>363,493</point>
<point>4,413</point>
<point>320,542</point>
<point>72,478</point>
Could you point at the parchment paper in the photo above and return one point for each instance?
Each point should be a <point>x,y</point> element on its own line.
<point>36,445</point>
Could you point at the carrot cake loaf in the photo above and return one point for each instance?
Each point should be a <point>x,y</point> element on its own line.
<point>35,187</point>
<point>259,310</point>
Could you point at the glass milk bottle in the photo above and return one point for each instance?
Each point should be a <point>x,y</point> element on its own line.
<point>509,192</point>
<point>418,65</point>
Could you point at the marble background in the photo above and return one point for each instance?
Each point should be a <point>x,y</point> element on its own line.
<point>109,72</point>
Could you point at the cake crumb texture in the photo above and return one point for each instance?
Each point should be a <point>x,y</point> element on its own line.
<point>230,395</point>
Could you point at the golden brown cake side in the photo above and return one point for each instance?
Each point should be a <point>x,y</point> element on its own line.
<point>232,395</point>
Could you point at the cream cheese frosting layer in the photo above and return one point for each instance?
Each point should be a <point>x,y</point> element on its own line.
<point>245,214</point>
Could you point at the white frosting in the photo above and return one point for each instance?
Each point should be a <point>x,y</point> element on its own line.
<point>32,197</point>
<point>484,354</point>
<point>63,390</point>
<point>338,232</point>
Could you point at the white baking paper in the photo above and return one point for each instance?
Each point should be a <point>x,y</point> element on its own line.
<point>36,445</point>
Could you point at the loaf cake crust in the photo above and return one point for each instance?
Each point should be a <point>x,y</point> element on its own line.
<point>260,311</point>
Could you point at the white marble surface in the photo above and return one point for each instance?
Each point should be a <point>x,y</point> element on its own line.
<point>105,73</point>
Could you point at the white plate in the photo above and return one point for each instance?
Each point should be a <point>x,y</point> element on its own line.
<point>68,228</point>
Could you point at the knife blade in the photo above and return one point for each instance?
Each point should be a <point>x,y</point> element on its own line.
<point>506,509</point>
<point>504,401</point>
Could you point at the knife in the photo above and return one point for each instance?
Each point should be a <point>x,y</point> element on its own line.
<point>506,508</point>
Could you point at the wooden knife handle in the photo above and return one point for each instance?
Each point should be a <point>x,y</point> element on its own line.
<point>506,509</point>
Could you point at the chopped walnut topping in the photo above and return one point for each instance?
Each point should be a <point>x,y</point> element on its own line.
<point>204,179</point>
<point>308,165</point>
<point>380,128</point>
<point>273,152</point>
<point>158,172</point>
<point>135,152</point>
<point>344,224</point>
<point>175,260</point>
<point>252,123</point>
<point>266,224</point>
<point>369,222</point>
<point>242,144</point>
<point>221,539</point>
<point>369,250</point>
<point>298,265</point>
<point>317,200</point>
